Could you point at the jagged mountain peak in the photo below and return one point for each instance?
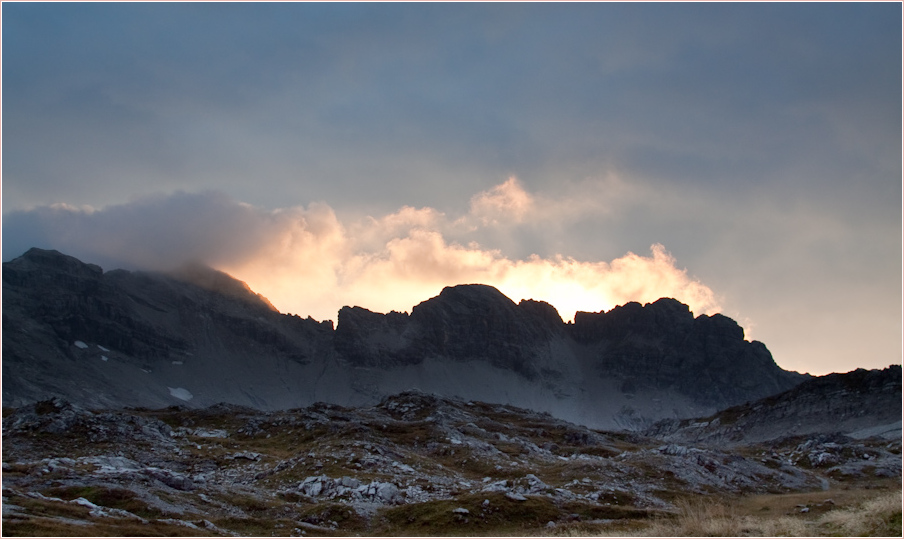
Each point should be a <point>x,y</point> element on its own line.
<point>197,336</point>
<point>541,310</point>
<point>664,313</point>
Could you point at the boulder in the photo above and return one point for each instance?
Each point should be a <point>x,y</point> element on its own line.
<point>313,485</point>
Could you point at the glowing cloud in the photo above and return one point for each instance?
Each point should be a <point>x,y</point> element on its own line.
<point>505,202</point>
<point>308,262</point>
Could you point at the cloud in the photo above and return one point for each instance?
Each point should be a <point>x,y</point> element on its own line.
<point>505,202</point>
<point>154,232</point>
<point>308,261</point>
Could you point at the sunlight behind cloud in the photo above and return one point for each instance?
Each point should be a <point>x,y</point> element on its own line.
<point>395,261</point>
<point>308,261</point>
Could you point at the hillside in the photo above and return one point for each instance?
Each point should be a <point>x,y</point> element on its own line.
<point>414,464</point>
<point>859,404</point>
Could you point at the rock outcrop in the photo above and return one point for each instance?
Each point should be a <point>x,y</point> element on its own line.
<point>465,322</point>
<point>661,346</point>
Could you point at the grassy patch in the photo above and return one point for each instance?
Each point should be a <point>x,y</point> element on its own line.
<point>44,527</point>
<point>115,498</point>
<point>477,468</point>
<point>853,512</point>
<point>329,515</point>
<point>49,508</point>
<point>19,469</point>
<point>255,526</point>
<point>588,511</point>
<point>463,460</point>
<point>501,516</point>
<point>254,505</point>
<point>51,518</point>
<point>408,433</point>
<point>246,525</point>
<point>281,444</point>
<point>877,516</point>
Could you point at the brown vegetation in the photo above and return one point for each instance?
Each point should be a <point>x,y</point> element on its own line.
<point>868,511</point>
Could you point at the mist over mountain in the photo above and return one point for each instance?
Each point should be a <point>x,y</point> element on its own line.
<point>199,337</point>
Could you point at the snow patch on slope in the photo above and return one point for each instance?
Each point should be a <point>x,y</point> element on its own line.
<point>181,393</point>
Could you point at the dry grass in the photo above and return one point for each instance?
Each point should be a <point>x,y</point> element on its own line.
<point>705,518</point>
<point>45,527</point>
<point>116,498</point>
<point>500,517</point>
<point>879,515</point>
<point>292,448</point>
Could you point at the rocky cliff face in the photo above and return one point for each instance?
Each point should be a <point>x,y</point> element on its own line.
<point>662,346</point>
<point>147,316</point>
<point>68,327</point>
<point>466,322</point>
<point>198,336</point>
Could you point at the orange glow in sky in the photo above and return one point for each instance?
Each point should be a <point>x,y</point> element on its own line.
<point>313,264</point>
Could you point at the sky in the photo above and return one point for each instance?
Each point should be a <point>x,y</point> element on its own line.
<point>743,158</point>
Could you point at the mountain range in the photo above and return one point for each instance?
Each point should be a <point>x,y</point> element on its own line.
<point>183,403</point>
<point>197,336</point>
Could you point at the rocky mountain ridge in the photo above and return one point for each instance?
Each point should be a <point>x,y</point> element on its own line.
<point>116,426</point>
<point>199,337</point>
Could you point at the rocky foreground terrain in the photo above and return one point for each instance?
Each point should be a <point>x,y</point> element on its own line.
<point>415,464</point>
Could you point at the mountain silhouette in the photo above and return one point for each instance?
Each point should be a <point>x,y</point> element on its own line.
<point>197,337</point>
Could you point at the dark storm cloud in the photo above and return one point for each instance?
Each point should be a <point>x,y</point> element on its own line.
<point>315,98</point>
<point>760,143</point>
<point>157,232</point>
